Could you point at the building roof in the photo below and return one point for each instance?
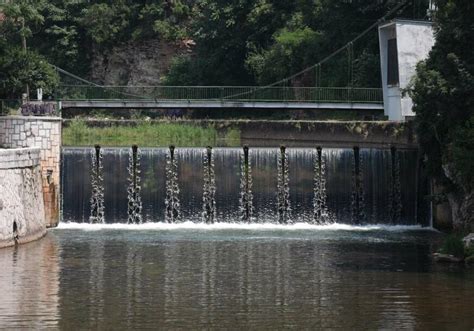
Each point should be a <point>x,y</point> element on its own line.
<point>405,21</point>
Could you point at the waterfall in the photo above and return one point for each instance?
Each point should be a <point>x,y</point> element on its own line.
<point>246,195</point>
<point>357,202</point>
<point>317,182</point>
<point>283,189</point>
<point>172,204</point>
<point>134,197</point>
<point>97,183</point>
<point>209,188</point>
<point>395,188</point>
<point>321,213</point>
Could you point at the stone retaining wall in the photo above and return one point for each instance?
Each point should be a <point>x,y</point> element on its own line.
<point>22,215</point>
<point>45,134</point>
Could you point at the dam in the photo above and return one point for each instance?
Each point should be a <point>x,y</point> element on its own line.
<point>381,189</point>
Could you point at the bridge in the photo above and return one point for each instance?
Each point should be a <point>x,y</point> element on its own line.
<point>247,97</point>
<point>318,91</point>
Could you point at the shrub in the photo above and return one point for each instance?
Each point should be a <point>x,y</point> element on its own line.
<point>453,245</point>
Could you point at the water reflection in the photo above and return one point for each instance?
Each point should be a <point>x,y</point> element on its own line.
<point>29,285</point>
<point>232,279</point>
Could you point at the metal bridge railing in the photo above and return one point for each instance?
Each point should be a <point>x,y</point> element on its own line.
<point>223,93</point>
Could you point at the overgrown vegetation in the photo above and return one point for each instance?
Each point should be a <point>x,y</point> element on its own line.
<point>453,245</point>
<point>444,104</point>
<point>22,69</point>
<point>247,42</point>
<point>77,133</point>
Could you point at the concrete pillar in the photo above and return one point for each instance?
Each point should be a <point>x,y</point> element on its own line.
<point>403,43</point>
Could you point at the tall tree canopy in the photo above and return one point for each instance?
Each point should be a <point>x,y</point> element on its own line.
<point>22,69</point>
<point>238,42</point>
<point>258,42</point>
<point>443,95</point>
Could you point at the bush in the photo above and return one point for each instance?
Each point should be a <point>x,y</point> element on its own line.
<point>453,245</point>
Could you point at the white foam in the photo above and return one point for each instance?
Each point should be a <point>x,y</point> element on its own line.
<point>237,226</point>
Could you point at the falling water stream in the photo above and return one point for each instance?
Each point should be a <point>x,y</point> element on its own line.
<point>209,188</point>
<point>258,185</point>
<point>134,197</point>
<point>97,187</point>
<point>246,184</point>
<point>172,202</point>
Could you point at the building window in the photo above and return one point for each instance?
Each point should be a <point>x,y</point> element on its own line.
<point>392,63</point>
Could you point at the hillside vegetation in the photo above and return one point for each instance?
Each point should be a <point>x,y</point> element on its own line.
<point>238,42</point>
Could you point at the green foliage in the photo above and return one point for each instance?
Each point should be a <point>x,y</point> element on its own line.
<point>68,32</point>
<point>106,23</point>
<point>21,19</point>
<point>238,42</point>
<point>443,98</point>
<point>463,150</point>
<point>453,245</point>
<point>232,138</point>
<point>186,71</point>
<point>77,133</point>
<point>244,42</point>
<point>286,56</point>
<point>18,68</point>
<point>469,252</point>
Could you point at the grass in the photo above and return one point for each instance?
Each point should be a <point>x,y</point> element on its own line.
<point>77,133</point>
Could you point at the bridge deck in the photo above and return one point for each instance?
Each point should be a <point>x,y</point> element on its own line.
<point>150,104</point>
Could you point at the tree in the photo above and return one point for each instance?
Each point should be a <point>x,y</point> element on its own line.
<point>443,99</point>
<point>21,18</point>
<point>18,69</point>
<point>243,42</point>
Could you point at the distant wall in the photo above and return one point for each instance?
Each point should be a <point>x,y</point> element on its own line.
<point>45,134</point>
<point>22,216</point>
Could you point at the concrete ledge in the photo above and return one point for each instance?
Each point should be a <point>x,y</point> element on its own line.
<point>19,158</point>
<point>31,118</point>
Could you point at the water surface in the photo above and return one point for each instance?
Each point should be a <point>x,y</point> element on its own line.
<point>230,276</point>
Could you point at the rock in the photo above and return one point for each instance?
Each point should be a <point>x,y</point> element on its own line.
<point>438,257</point>
<point>141,63</point>
<point>469,241</point>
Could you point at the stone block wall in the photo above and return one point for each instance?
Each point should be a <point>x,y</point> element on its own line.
<point>22,216</point>
<point>43,133</point>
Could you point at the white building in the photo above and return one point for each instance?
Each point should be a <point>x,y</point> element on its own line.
<point>403,44</point>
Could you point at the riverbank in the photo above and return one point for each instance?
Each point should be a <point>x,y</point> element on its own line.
<point>232,133</point>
